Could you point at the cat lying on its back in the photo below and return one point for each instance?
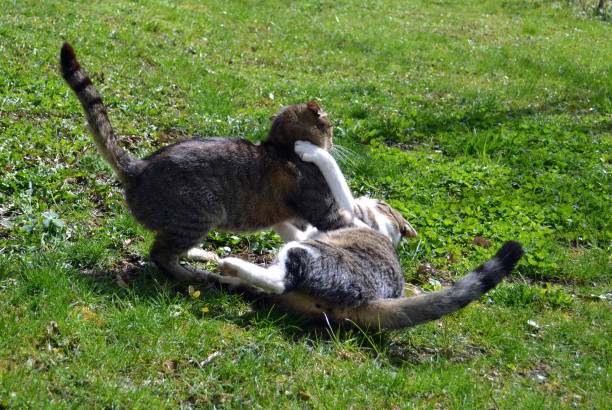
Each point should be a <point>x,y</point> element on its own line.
<point>183,190</point>
<point>354,273</point>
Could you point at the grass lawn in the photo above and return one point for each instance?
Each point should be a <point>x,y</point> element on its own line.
<point>482,121</point>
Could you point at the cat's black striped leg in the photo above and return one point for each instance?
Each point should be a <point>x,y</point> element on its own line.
<point>166,251</point>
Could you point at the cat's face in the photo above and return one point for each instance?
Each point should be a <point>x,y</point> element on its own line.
<point>304,121</point>
<point>380,216</point>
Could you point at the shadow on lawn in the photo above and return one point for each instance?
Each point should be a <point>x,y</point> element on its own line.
<point>467,116</point>
<point>135,277</point>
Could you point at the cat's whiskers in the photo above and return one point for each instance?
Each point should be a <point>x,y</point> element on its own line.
<point>343,155</point>
<point>346,150</point>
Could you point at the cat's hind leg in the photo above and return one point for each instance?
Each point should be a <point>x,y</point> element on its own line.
<point>271,279</point>
<point>167,250</point>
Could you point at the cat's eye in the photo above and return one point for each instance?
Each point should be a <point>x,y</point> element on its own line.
<point>322,125</point>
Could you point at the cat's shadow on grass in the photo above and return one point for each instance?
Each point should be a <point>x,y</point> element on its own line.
<point>216,302</point>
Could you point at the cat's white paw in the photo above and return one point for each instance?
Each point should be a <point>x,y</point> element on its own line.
<point>269,279</point>
<point>229,266</point>
<point>309,233</point>
<point>198,254</point>
<point>307,151</point>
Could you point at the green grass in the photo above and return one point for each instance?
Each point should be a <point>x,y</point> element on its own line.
<point>482,119</point>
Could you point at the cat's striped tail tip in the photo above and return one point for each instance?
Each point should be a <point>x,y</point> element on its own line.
<point>510,253</point>
<point>68,60</point>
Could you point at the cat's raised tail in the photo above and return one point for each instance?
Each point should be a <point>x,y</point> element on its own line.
<point>99,125</point>
<point>410,311</point>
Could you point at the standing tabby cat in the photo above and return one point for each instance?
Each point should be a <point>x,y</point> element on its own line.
<point>354,272</point>
<point>183,190</point>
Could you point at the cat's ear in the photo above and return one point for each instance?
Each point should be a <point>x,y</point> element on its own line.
<point>314,107</point>
<point>407,230</point>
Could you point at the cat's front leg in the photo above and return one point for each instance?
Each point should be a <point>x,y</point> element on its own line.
<point>270,279</point>
<point>309,152</point>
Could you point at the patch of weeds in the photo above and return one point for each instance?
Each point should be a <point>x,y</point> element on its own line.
<point>258,244</point>
<point>87,254</point>
<point>521,294</point>
<point>584,266</point>
<point>39,229</point>
<point>352,341</point>
<point>482,144</point>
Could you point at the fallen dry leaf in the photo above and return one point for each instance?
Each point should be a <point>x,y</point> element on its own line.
<point>480,241</point>
<point>426,268</point>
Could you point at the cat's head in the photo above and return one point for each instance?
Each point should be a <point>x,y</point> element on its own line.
<point>380,216</point>
<point>303,121</point>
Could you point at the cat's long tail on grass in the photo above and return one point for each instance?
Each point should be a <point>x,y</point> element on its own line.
<point>410,311</point>
<point>76,77</point>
